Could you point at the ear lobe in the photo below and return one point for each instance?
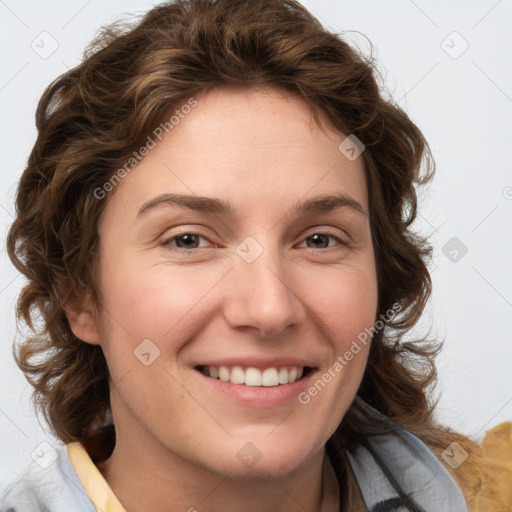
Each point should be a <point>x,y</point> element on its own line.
<point>83,322</point>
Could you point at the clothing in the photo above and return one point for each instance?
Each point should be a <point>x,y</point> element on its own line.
<point>494,484</point>
<point>395,472</point>
<point>71,484</point>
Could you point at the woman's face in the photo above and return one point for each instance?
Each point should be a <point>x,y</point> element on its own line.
<point>267,283</point>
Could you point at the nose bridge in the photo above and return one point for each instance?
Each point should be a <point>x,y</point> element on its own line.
<point>262,297</point>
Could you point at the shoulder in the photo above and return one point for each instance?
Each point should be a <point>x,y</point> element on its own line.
<point>48,484</point>
<point>482,471</point>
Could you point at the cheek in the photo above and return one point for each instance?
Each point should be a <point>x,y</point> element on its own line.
<point>345,313</point>
<point>345,302</point>
<point>163,304</point>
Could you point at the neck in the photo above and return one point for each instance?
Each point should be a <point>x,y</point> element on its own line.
<point>132,470</point>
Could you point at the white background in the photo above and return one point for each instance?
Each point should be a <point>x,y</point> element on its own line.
<point>463,106</point>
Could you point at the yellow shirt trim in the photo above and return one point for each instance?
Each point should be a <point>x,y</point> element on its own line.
<point>96,487</point>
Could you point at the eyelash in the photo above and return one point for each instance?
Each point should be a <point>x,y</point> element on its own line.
<point>167,243</point>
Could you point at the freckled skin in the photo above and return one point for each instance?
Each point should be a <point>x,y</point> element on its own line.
<point>262,151</point>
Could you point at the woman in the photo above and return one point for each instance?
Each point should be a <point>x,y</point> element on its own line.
<point>214,224</point>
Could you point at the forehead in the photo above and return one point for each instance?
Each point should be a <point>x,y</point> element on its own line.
<point>244,145</point>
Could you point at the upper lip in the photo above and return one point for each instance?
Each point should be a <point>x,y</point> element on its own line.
<point>259,362</point>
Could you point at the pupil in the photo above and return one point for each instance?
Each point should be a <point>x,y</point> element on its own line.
<point>185,238</point>
<point>317,237</point>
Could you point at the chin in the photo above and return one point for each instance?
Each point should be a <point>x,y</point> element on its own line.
<point>269,467</point>
<point>261,458</point>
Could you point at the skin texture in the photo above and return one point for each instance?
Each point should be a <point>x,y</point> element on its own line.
<point>177,441</point>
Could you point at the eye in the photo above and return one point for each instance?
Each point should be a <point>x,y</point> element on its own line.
<point>321,240</point>
<point>185,242</point>
<point>189,242</point>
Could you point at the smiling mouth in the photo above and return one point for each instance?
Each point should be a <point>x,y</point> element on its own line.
<point>251,376</point>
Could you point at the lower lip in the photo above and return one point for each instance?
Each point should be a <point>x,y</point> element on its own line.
<point>258,396</point>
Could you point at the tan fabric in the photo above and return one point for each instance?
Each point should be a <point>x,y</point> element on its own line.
<point>485,477</point>
<point>495,494</point>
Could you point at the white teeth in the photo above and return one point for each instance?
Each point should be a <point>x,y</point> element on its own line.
<point>252,377</point>
<point>224,373</point>
<point>270,377</point>
<point>237,375</point>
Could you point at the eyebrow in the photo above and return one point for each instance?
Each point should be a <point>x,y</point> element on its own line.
<point>319,204</point>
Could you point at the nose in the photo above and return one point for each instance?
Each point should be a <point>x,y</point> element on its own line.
<point>263,296</point>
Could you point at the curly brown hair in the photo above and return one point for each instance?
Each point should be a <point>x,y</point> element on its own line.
<point>92,118</point>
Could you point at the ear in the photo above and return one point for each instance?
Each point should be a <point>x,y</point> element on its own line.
<point>82,320</point>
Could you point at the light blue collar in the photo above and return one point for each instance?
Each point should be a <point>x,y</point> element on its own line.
<point>396,472</point>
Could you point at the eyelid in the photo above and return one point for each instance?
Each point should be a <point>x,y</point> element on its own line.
<point>332,231</point>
